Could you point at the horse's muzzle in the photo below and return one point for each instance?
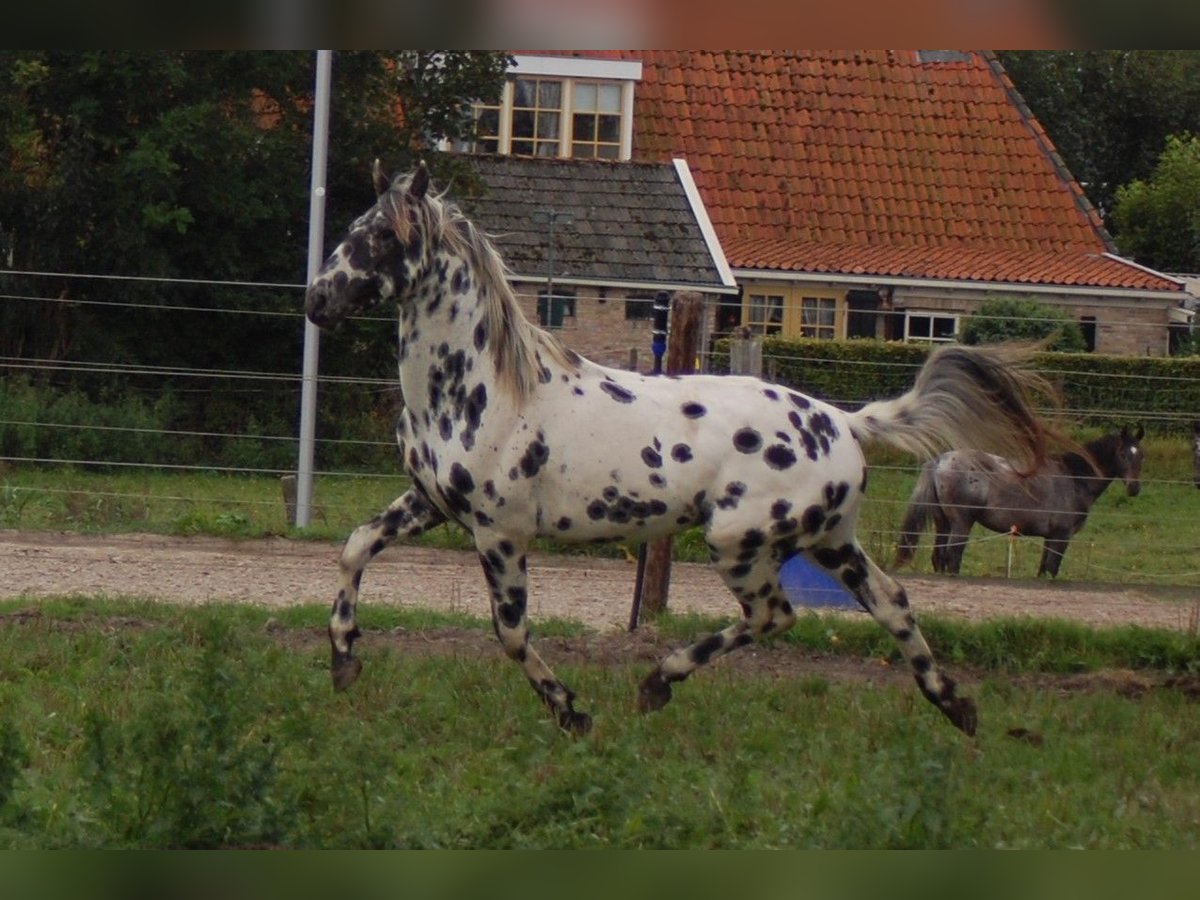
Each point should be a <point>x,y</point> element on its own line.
<point>316,306</point>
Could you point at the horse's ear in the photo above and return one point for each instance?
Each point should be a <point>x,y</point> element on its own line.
<point>1141,433</point>
<point>420,182</point>
<point>381,181</point>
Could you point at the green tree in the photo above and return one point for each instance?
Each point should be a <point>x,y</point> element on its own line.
<point>1016,319</point>
<point>1159,218</point>
<point>1109,112</point>
<point>194,165</point>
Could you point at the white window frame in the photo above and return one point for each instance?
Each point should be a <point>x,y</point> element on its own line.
<point>569,71</point>
<point>930,315</point>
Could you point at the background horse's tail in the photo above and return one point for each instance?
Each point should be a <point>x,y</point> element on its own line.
<point>966,398</point>
<point>917,516</point>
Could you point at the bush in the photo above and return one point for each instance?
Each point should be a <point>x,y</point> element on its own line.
<point>1013,319</point>
<point>1164,391</point>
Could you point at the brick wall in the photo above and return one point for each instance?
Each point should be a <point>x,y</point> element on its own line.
<point>602,329</point>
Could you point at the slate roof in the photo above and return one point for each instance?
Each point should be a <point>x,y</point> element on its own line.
<point>861,161</point>
<point>633,223</point>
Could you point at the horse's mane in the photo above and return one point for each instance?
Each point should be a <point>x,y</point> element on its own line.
<point>1091,459</point>
<point>515,342</point>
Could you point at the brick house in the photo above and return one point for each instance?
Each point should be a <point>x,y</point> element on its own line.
<point>876,194</point>
<point>621,233</point>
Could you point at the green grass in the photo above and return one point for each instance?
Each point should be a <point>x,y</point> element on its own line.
<point>1148,539</point>
<point>149,725</point>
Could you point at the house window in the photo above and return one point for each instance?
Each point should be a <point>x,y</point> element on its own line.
<point>794,311</point>
<point>553,310</point>
<point>818,317</point>
<point>537,112</point>
<point>1087,325</point>
<point>551,106</point>
<point>596,121</point>
<point>764,313</point>
<point>639,306</point>
<point>930,327</point>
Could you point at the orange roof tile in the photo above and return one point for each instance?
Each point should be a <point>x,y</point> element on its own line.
<point>1082,268</point>
<point>843,160</point>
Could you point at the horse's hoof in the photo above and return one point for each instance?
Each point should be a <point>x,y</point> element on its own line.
<point>961,713</point>
<point>654,692</point>
<point>576,724</point>
<point>345,672</point>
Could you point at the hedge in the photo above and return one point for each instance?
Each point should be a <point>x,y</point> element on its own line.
<point>1097,390</point>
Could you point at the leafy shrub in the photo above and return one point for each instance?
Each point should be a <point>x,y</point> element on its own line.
<point>1095,387</point>
<point>1014,319</point>
<point>191,767</point>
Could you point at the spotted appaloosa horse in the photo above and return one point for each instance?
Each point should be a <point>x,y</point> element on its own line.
<point>962,487</point>
<point>513,436</point>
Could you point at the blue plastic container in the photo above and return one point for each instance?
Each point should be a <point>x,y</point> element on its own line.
<point>806,584</point>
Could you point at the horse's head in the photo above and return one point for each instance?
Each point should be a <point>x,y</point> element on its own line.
<point>1129,458</point>
<point>382,255</point>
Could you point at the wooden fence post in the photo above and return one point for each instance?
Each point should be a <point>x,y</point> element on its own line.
<point>287,484</point>
<point>745,355</point>
<point>683,346</point>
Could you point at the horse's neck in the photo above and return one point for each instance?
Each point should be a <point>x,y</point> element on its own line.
<point>1092,480</point>
<point>457,326</point>
<point>436,332</point>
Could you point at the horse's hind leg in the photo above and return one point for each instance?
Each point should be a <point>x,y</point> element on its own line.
<point>884,598</point>
<point>406,517</point>
<point>504,568</point>
<point>753,576</point>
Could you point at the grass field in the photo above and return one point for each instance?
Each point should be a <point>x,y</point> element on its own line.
<point>1152,538</point>
<point>148,725</point>
<point>126,724</point>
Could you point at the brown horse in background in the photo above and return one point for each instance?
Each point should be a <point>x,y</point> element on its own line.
<point>962,487</point>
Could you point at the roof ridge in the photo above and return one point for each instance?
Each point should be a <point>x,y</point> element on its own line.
<point>1082,203</point>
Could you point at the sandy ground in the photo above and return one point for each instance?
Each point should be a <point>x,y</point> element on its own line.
<point>597,592</point>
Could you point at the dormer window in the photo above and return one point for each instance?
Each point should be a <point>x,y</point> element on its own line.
<point>562,107</point>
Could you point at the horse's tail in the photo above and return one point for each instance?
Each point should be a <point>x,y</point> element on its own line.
<point>918,514</point>
<point>965,398</point>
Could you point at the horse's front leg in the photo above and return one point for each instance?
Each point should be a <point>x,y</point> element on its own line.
<point>504,568</point>
<point>1053,551</point>
<point>406,517</point>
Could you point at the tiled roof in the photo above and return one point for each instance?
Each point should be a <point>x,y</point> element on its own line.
<point>829,151</point>
<point>1075,268</point>
<point>631,222</point>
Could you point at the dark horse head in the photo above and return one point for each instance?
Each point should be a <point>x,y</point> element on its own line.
<point>381,256</point>
<point>1119,455</point>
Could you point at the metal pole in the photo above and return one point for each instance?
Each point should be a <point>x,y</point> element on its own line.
<point>312,334</point>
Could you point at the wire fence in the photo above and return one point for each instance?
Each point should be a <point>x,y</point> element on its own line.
<point>208,381</point>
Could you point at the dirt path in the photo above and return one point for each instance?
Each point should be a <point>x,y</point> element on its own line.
<point>597,592</point>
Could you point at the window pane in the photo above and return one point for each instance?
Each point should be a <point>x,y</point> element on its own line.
<point>943,327</point>
<point>549,94</point>
<point>488,122</point>
<point>547,148</point>
<point>918,326</point>
<point>523,92</point>
<point>583,127</point>
<point>522,148</point>
<point>608,151</point>
<point>609,100</point>
<point>522,124</point>
<point>547,125</point>
<point>610,129</point>
<point>585,97</point>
